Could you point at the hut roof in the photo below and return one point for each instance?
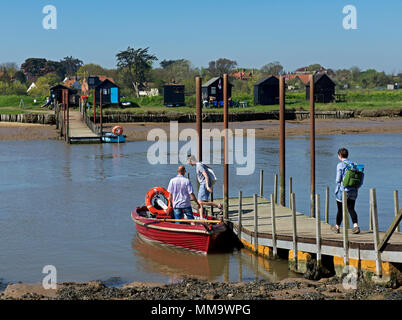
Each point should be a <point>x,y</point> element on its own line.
<point>107,82</point>
<point>318,76</point>
<point>265,79</point>
<point>211,81</point>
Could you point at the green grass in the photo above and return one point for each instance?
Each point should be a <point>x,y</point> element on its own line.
<point>10,104</point>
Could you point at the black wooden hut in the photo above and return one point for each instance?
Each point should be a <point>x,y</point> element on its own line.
<point>57,96</point>
<point>110,93</point>
<point>324,88</point>
<point>266,91</point>
<point>213,90</point>
<point>173,95</point>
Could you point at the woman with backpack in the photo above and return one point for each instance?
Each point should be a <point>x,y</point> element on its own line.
<point>348,179</point>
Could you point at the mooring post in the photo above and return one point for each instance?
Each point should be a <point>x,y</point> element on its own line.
<point>276,188</point>
<point>212,200</point>
<point>68,117</point>
<point>282,162</point>
<point>255,223</point>
<point>239,224</point>
<point>396,208</point>
<point>345,228</point>
<point>226,146</point>
<point>294,225</point>
<point>290,191</point>
<point>273,220</point>
<point>312,146</point>
<point>318,228</point>
<point>94,109</point>
<point>240,270</point>
<point>327,205</point>
<point>370,213</point>
<point>198,106</point>
<point>261,183</point>
<point>374,214</point>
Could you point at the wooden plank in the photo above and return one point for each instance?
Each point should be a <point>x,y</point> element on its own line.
<point>396,208</point>
<point>390,231</point>
<point>345,228</point>
<point>273,222</point>
<point>318,228</point>
<point>374,214</point>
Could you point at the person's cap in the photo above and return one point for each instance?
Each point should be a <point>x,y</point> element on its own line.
<point>191,158</point>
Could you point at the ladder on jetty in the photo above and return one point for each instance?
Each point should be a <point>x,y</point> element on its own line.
<point>289,231</point>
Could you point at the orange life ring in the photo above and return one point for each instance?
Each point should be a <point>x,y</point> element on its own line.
<point>149,202</point>
<point>117,130</point>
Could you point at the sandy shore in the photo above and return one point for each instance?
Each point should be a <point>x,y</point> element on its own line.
<point>193,289</point>
<point>264,129</point>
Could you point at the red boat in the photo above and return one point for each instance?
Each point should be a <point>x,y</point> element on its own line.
<point>199,236</point>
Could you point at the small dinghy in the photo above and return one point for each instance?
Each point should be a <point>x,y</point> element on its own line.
<point>116,136</point>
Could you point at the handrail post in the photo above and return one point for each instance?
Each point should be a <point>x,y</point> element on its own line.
<point>318,228</point>
<point>255,224</point>
<point>327,205</point>
<point>290,191</point>
<point>294,225</point>
<point>273,217</point>
<point>396,208</point>
<point>261,183</point>
<point>276,188</point>
<point>374,214</point>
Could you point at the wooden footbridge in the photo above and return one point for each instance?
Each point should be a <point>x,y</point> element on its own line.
<point>272,230</point>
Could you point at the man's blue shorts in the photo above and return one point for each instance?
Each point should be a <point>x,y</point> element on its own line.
<point>203,193</point>
<point>180,212</point>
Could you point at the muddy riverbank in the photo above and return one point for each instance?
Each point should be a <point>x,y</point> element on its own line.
<point>193,289</point>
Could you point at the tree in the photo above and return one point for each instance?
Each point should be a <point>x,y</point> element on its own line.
<point>355,71</point>
<point>91,69</point>
<point>314,67</point>
<point>20,76</point>
<point>274,68</point>
<point>71,65</point>
<point>34,66</point>
<point>135,66</point>
<point>221,66</point>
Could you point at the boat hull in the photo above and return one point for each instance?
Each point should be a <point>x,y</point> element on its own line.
<point>199,237</point>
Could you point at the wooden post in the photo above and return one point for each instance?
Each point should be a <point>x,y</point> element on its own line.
<point>261,183</point>
<point>373,209</point>
<point>370,215</point>
<point>318,228</point>
<point>396,208</point>
<point>327,205</point>
<point>290,191</point>
<point>294,224</point>
<point>273,221</point>
<point>282,161</point>
<point>226,145</point>
<point>276,188</point>
<point>390,230</point>
<point>198,106</point>
<point>100,111</point>
<point>94,108</point>
<point>212,200</point>
<point>255,224</point>
<point>240,214</point>
<point>345,227</point>
<point>312,147</point>
<point>240,270</point>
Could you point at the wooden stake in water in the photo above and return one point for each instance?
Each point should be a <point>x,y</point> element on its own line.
<point>396,208</point>
<point>318,228</point>
<point>327,205</point>
<point>273,219</point>
<point>294,224</point>
<point>374,214</point>
<point>345,228</point>
<point>255,224</point>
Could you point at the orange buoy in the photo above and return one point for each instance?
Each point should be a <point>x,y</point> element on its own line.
<point>149,199</point>
<point>117,130</point>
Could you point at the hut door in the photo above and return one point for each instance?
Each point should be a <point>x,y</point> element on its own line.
<point>114,95</point>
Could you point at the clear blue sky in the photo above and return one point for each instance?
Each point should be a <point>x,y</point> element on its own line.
<point>252,32</point>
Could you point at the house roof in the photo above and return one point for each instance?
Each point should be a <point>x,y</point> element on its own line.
<point>305,78</point>
<point>211,81</point>
<point>265,79</point>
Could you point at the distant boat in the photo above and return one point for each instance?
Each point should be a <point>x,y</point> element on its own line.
<point>199,237</point>
<point>109,137</point>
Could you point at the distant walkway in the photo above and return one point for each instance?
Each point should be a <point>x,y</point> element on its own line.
<point>79,131</point>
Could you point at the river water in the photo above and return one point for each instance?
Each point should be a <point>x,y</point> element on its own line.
<point>69,206</point>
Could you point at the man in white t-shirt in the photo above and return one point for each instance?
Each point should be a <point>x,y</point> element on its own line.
<point>181,192</point>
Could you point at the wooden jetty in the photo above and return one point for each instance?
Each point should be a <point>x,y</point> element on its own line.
<point>79,131</point>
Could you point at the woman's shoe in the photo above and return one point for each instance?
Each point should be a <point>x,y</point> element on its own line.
<point>335,229</point>
<point>356,230</point>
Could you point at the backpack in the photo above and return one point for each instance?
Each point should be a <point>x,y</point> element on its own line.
<point>353,176</point>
